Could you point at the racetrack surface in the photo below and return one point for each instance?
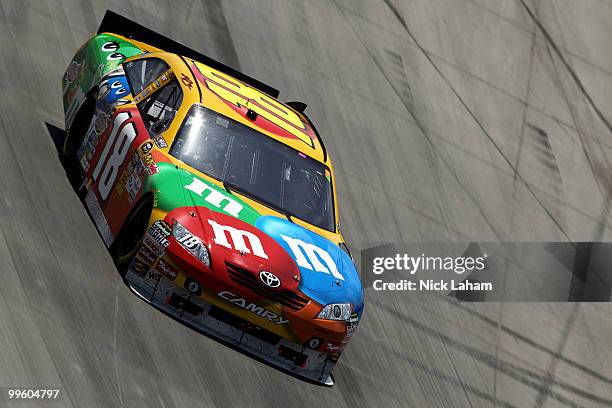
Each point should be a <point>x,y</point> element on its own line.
<point>446,120</point>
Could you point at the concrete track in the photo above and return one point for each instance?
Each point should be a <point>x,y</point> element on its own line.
<point>446,119</point>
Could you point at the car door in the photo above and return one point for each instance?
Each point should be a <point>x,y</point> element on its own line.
<point>117,169</point>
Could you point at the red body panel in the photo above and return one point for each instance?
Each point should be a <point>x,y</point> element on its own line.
<point>114,162</point>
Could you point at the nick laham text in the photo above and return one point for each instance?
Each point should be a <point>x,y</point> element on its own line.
<point>432,285</point>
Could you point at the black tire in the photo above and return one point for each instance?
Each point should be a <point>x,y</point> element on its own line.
<point>74,138</point>
<point>131,235</point>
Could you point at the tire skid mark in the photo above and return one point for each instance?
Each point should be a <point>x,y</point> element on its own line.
<point>437,153</point>
<point>478,122</point>
<point>539,380</point>
<point>592,146</point>
<point>526,106</point>
<point>567,66</point>
<point>539,144</point>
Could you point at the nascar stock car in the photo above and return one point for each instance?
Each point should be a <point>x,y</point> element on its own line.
<point>216,200</point>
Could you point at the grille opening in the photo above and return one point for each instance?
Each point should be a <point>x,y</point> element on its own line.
<point>181,303</point>
<point>284,298</point>
<point>244,325</point>
<point>296,357</point>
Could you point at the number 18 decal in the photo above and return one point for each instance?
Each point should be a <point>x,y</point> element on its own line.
<point>117,146</point>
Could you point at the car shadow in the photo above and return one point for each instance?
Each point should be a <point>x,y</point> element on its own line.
<point>57,135</point>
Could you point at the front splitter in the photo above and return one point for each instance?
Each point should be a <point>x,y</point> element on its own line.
<point>162,293</point>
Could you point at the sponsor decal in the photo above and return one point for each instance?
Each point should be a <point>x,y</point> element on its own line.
<point>146,147</point>
<point>131,179</point>
<point>154,86</point>
<point>132,186</point>
<point>252,307</point>
<point>154,246</point>
<point>101,121</point>
<point>147,254</point>
<point>139,267</point>
<point>332,347</point>
<point>159,232</point>
<point>309,256</point>
<point>150,165</point>
<point>160,141</point>
<point>88,147</point>
<point>186,81</point>
<point>152,277</point>
<point>115,150</point>
<point>239,239</point>
<point>73,71</point>
<point>350,328</point>
<point>166,269</point>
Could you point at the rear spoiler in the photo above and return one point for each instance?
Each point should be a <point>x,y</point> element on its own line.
<point>117,24</point>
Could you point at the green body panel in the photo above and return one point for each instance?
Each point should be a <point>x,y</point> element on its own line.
<point>96,58</point>
<point>108,52</point>
<point>174,187</point>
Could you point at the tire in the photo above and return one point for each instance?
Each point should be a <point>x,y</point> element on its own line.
<point>131,235</point>
<point>74,138</point>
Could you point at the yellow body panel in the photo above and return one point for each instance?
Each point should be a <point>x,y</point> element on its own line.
<point>215,99</point>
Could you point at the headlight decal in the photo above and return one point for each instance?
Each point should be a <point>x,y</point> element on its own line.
<point>336,311</point>
<point>190,242</point>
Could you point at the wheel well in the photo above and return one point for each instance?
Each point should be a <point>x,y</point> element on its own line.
<point>146,196</point>
<point>78,128</point>
<point>90,98</point>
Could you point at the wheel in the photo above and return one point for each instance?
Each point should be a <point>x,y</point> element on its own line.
<point>131,235</point>
<point>74,138</point>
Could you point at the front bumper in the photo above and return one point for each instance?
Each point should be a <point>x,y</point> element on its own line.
<point>202,316</point>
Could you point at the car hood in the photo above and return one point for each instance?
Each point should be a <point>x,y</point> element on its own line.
<point>326,273</point>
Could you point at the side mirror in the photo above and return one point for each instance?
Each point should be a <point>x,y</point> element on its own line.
<point>157,127</point>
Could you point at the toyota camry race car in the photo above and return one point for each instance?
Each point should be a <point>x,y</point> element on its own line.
<point>216,200</point>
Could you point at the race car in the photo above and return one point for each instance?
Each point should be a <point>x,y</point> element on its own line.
<point>216,200</point>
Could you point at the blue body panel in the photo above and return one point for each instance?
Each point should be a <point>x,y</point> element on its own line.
<point>320,285</point>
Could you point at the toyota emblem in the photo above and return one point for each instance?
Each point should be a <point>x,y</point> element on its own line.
<point>269,279</point>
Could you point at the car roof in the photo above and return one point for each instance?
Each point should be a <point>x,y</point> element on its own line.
<point>254,108</point>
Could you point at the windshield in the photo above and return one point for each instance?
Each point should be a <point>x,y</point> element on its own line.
<point>256,166</point>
